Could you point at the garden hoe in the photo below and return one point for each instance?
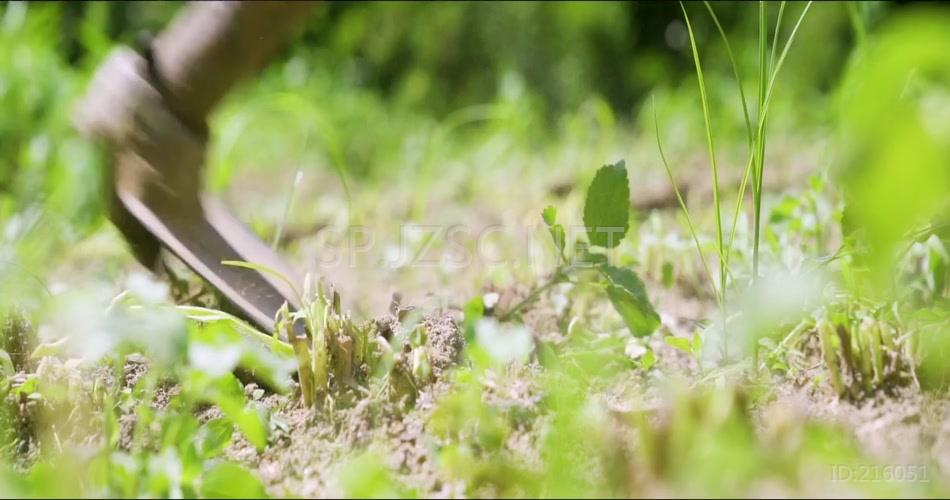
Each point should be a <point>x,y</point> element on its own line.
<point>151,107</point>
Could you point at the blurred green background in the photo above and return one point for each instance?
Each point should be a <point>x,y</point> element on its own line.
<point>487,112</point>
<point>397,94</point>
<point>369,82</point>
<point>365,63</point>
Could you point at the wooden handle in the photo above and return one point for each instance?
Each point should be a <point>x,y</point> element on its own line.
<point>211,46</point>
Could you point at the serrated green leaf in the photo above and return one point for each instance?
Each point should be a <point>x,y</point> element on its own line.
<point>629,297</point>
<point>607,207</point>
<point>230,480</point>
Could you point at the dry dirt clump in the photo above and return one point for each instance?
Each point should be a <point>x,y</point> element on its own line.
<point>444,343</point>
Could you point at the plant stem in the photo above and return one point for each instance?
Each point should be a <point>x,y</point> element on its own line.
<point>558,277</point>
<point>765,97</point>
<point>758,155</point>
<point>715,174</point>
<point>287,207</point>
<point>679,198</point>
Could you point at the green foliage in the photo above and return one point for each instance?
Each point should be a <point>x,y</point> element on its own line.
<point>692,347</point>
<point>366,476</point>
<point>228,480</point>
<point>895,150</point>
<point>142,439</point>
<point>932,347</point>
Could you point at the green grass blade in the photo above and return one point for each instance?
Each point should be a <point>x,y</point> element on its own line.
<point>735,70</point>
<point>712,157</point>
<point>758,152</point>
<point>206,315</point>
<point>781,59</point>
<point>743,185</point>
<point>766,96</point>
<point>679,198</point>
<point>749,130</point>
<point>264,270</point>
<point>287,207</point>
<point>778,29</point>
<point>857,24</point>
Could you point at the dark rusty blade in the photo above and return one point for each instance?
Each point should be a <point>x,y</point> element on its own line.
<point>203,240</point>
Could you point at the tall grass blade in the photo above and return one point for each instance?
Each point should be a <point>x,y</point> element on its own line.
<point>679,198</point>
<point>765,95</point>
<point>749,130</point>
<point>715,173</point>
<point>758,151</point>
<point>735,70</point>
<point>710,143</point>
<point>287,207</point>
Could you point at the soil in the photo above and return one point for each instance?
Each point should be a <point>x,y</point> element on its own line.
<point>310,446</point>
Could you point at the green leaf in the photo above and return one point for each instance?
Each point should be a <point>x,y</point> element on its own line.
<point>213,437</point>
<point>607,207</point>
<point>367,476</point>
<point>667,274</point>
<point>937,263</point>
<point>549,214</point>
<point>785,210</point>
<point>647,360</point>
<point>629,297</point>
<point>205,315</point>
<point>218,344</point>
<point>230,480</point>
<point>228,394</point>
<point>474,311</point>
<point>178,430</point>
<point>679,343</point>
<point>6,364</point>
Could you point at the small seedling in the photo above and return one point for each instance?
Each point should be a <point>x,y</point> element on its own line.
<point>606,222</point>
<point>692,347</point>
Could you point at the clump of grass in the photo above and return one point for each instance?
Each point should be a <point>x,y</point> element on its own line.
<point>17,411</point>
<point>860,350</point>
<point>18,339</point>
<point>335,353</point>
